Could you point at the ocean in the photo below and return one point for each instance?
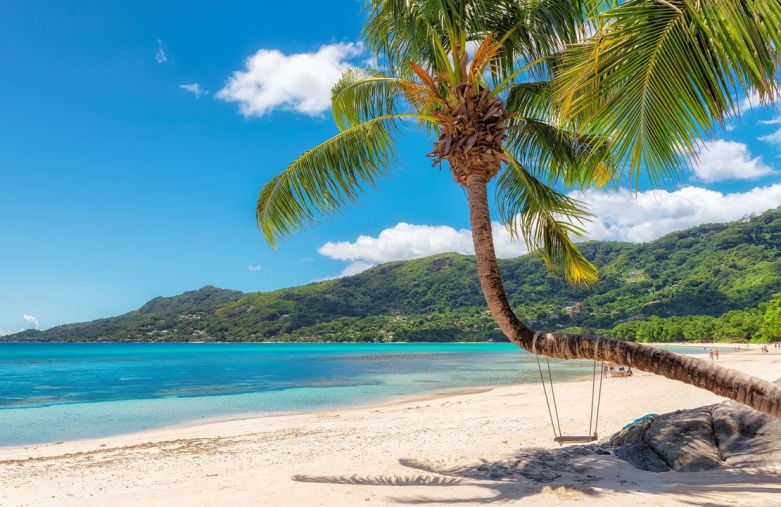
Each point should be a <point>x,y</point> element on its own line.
<point>66,391</point>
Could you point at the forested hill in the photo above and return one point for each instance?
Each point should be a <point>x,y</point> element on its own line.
<point>706,270</point>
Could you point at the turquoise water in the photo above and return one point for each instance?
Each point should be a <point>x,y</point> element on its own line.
<point>56,392</point>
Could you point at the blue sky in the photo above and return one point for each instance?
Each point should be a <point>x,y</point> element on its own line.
<point>135,136</point>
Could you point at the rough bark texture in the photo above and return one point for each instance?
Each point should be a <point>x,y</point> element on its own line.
<point>754,392</point>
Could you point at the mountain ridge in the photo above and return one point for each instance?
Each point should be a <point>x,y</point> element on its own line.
<point>706,270</point>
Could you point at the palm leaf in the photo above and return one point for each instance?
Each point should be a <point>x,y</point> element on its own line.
<point>531,99</point>
<point>326,178</point>
<point>361,95</point>
<point>660,75</point>
<point>545,219</point>
<point>400,31</point>
<point>560,155</point>
<point>484,55</point>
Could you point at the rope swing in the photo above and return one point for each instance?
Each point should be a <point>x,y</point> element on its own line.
<point>553,410</point>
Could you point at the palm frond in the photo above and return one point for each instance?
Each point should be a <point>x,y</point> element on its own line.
<point>430,31</point>
<point>659,75</point>
<point>534,30</point>
<point>423,76</point>
<point>326,178</point>
<point>546,219</point>
<point>361,95</point>
<point>484,54</point>
<point>560,155</point>
<point>531,99</point>
<point>401,31</point>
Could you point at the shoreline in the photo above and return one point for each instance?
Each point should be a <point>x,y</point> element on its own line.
<point>252,416</point>
<point>407,451</point>
<point>391,400</point>
<point>203,342</point>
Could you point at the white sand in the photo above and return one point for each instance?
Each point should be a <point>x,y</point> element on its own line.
<point>401,453</point>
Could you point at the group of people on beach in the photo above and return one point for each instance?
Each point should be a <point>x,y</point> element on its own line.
<point>713,354</point>
<point>766,349</point>
<point>611,369</point>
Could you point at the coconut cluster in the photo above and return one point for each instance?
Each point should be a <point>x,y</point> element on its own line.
<point>473,131</point>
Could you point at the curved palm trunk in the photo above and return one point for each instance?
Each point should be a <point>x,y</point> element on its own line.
<point>754,392</point>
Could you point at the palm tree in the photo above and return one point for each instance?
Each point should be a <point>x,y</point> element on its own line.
<point>497,115</point>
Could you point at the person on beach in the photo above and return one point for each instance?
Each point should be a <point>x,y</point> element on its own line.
<point>716,353</point>
<point>710,354</point>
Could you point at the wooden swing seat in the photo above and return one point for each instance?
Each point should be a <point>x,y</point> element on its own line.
<point>593,420</point>
<point>576,439</point>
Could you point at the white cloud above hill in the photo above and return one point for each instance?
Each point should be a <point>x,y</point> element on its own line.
<point>624,215</point>
<point>620,215</point>
<point>299,82</point>
<point>728,160</point>
<point>30,319</point>
<point>410,241</point>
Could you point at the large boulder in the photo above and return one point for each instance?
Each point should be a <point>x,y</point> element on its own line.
<point>701,438</point>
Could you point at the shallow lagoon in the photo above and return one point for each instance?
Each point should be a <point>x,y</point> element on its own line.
<point>56,392</point>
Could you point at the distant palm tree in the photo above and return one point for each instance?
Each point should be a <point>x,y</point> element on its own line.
<point>512,94</point>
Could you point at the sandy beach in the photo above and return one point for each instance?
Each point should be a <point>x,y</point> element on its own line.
<point>430,450</point>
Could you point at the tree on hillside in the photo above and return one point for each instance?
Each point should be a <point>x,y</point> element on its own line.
<point>519,94</point>
<point>771,324</point>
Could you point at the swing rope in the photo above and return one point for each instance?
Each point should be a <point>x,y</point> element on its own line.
<point>544,390</point>
<point>553,412</point>
<point>593,388</point>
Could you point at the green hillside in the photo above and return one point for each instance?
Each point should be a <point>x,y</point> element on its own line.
<point>707,270</point>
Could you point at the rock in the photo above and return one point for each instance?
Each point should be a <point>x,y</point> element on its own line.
<point>747,438</point>
<point>700,439</point>
<point>684,440</point>
<point>642,457</point>
<point>629,445</point>
<point>703,438</point>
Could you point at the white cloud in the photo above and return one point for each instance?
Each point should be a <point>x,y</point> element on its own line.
<point>4,332</point>
<point>771,121</point>
<point>410,241</point>
<point>403,241</point>
<point>624,215</point>
<point>253,267</point>
<point>300,82</point>
<point>193,88</point>
<point>354,268</point>
<point>750,101</point>
<point>753,101</point>
<point>160,55</point>
<point>620,215</point>
<point>774,138</point>
<point>727,160</point>
<point>31,320</point>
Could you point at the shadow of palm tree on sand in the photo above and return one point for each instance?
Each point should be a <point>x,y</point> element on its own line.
<point>570,473</point>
